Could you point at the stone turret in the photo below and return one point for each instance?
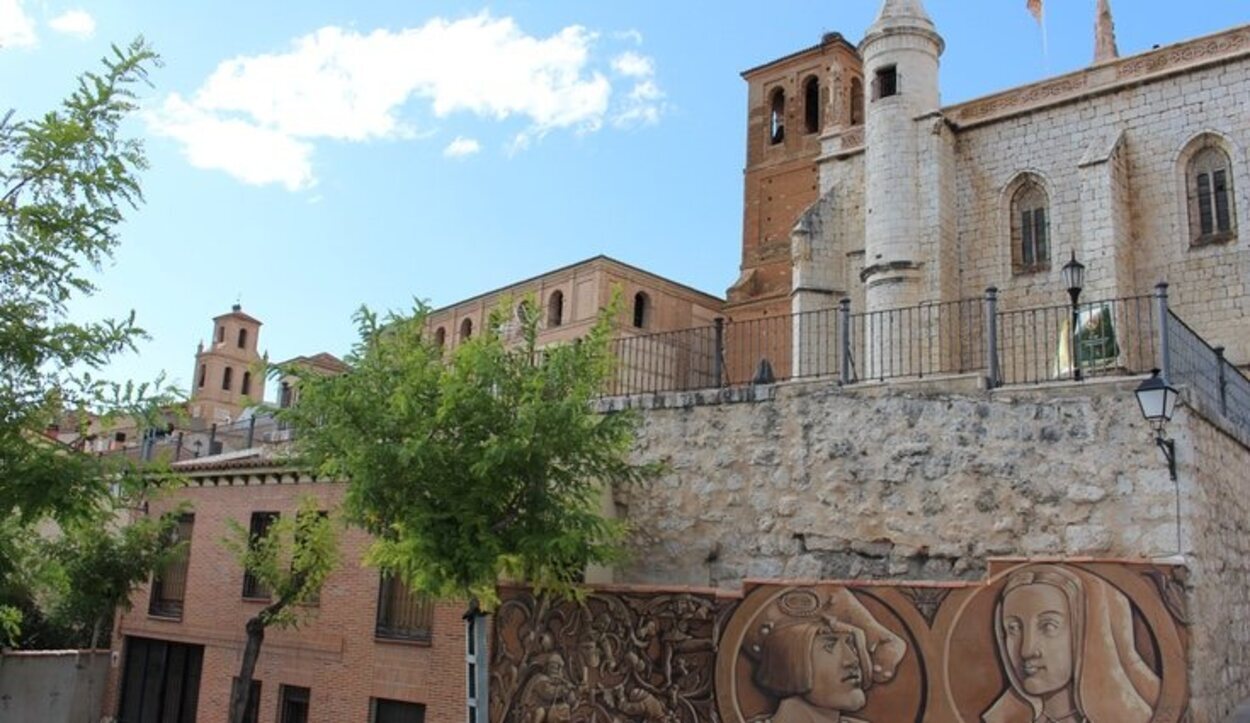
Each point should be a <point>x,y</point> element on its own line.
<point>900,52</point>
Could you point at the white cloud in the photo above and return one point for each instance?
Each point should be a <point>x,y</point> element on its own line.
<point>340,84</point>
<point>250,152</point>
<point>77,23</point>
<point>17,29</point>
<point>633,65</point>
<point>461,147</point>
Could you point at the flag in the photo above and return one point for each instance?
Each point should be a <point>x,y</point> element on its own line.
<point>1035,7</point>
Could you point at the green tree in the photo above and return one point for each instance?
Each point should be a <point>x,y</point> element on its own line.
<point>66,180</point>
<point>291,560</point>
<point>484,463</point>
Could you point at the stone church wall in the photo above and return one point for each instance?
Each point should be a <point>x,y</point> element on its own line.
<point>1157,119</point>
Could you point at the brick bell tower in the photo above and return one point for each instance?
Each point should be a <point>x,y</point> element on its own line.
<point>229,372</point>
<point>792,104</point>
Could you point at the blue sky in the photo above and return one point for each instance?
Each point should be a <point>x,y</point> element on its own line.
<point>310,157</point>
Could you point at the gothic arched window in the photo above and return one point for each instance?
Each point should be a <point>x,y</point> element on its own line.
<point>1030,227</point>
<point>555,308</point>
<point>811,104</point>
<point>1209,190</point>
<point>777,117</point>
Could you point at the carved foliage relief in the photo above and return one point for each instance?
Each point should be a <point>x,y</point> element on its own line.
<point>1082,642</point>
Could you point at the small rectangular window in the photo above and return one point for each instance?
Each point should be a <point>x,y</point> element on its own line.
<point>1205,219</point>
<point>169,584</point>
<point>259,527</point>
<point>293,704</point>
<point>1223,221</point>
<point>886,82</point>
<point>395,711</point>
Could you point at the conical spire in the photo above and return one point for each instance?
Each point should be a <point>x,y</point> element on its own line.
<point>1104,34</point>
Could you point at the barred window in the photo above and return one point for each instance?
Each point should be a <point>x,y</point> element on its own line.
<point>1030,228</point>
<point>1210,189</point>
<point>259,527</point>
<point>403,614</point>
<point>169,584</point>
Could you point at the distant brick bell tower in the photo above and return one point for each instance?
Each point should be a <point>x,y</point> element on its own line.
<point>229,372</point>
<point>793,104</point>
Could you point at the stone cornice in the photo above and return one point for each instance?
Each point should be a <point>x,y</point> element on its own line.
<point>1190,55</point>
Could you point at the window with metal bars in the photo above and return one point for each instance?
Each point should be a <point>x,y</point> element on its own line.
<point>403,614</point>
<point>1210,190</point>
<point>259,527</point>
<point>169,584</point>
<point>885,82</point>
<point>1030,228</point>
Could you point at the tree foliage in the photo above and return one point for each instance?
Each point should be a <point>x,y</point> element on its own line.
<point>67,179</point>
<point>482,462</point>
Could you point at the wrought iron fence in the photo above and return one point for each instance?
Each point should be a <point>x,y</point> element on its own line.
<point>262,428</point>
<point>1110,337</point>
<point>1211,384</point>
<point>918,341</point>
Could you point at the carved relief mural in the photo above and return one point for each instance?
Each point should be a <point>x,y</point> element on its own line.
<point>1036,642</point>
<point>613,657</point>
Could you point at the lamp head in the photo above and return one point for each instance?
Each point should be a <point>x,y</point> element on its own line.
<point>1157,399</point>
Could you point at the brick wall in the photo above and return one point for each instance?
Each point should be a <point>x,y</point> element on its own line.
<point>334,653</point>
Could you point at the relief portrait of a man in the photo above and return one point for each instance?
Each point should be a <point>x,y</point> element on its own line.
<point>816,658</point>
<point>1065,639</point>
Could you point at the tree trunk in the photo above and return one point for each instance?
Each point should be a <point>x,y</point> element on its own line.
<point>243,684</point>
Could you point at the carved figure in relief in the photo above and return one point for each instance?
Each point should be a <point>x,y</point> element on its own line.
<point>1066,640</point>
<point>547,696</point>
<point>819,657</point>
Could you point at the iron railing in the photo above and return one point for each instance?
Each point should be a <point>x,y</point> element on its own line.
<point>1018,346</point>
<point>1211,384</point>
<point>201,440</point>
<point>1112,337</point>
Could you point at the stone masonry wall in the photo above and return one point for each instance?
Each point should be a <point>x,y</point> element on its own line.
<point>926,482</point>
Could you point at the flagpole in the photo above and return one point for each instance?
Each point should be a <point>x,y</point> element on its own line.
<point>1045,46</point>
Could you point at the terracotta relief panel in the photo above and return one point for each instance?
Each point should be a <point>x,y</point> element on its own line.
<point>1089,642</point>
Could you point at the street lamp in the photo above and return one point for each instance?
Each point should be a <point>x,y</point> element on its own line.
<point>1157,400</point>
<point>1074,279</point>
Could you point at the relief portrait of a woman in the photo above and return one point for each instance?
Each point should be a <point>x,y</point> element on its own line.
<point>1065,639</point>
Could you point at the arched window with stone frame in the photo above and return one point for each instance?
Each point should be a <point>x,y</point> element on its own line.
<point>1030,225</point>
<point>1209,198</point>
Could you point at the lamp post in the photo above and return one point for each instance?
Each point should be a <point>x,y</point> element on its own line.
<point>1157,400</point>
<point>1074,279</point>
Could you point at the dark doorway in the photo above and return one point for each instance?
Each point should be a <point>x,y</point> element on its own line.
<point>293,708</point>
<point>161,681</point>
